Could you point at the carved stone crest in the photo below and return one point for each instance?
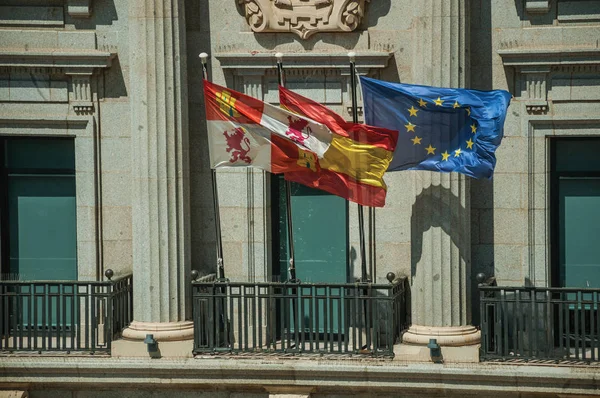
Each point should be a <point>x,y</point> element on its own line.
<point>303,17</point>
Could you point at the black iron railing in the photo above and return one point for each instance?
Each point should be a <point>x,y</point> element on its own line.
<point>65,316</point>
<point>537,323</point>
<point>298,318</point>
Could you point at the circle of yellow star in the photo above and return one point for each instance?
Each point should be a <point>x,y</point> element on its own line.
<point>439,101</point>
<point>422,103</point>
<point>430,150</point>
<point>410,127</point>
<point>416,140</point>
<point>469,111</point>
<point>445,156</point>
<point>470,144</point>
<point>413,111</point>
<point>457,153</point>
<point>456,105</point>
<point>473,128</point>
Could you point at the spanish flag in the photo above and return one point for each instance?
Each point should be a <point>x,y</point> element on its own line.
<point>246,132</point>
<point>354,164</point>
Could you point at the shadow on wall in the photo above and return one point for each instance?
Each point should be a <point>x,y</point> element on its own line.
<point>482,190</point>
<point>436,207</point>
<point>376,10</point>
<point>114,82</point>
<point>104,13</point>
<point>537,15</point>
<point>202,216</point>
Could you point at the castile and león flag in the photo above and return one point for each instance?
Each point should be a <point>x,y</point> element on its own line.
<point>246,132</point>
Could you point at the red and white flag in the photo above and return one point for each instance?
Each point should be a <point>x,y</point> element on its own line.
<point>246,132</point>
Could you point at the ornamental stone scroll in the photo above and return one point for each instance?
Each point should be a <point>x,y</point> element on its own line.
<point>303,17</point>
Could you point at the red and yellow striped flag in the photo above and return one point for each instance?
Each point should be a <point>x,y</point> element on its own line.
<point>354,164</point>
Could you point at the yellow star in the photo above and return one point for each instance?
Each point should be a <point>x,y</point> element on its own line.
<point>413,111</point>
<point>445,156</point>
<point>469,111</point>
<point>416,140</point>
<point>422,103</point>
<point>438,102</point>
<point>470,144</point>
<point>473,128</point>
<point>456,105</point>
<point>410,127</point>
<point>430,150</point>
<point>457,153</point>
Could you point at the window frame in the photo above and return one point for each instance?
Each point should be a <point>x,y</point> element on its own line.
<point>555,176</point>
<point>5,171</point>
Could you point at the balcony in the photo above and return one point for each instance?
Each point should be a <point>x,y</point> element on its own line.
<point>299,318</point>
<point>63,316</point>
<point>538,324</point>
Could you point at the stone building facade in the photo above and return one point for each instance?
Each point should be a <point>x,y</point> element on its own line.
<point>115,88</point>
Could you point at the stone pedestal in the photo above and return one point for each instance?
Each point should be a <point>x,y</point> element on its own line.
<point>160,169</point>
<point>440,230</point>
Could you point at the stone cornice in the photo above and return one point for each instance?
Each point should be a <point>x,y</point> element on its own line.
<point>260,61</point>
<point>323,375</point>
<point>83,61</point>
<point>43,120</point>
<point>525,57</point>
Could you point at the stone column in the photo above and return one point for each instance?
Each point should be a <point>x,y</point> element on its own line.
<point>440,227</point>
<point>160,170</point>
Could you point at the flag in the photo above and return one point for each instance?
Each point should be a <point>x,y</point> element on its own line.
<point>246,132</point>
<point>441,129</point>
<point>356,160</point>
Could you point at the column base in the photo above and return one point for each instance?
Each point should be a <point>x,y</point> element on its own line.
<point>289,392</point>
<point>173,340</point>
<point>457,344</point>
<point>419,353</point>
<point>162,331</point>
<point>138,349</point>
<point>450,336</point>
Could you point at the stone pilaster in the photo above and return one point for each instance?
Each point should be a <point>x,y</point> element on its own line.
<point>160,170</point>
<point>440,229</point>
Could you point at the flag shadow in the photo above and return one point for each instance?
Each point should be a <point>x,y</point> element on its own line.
<point>436,207</point>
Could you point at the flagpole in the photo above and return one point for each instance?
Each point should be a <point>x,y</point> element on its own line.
<point>220,266</point>
<point>361,216</point>
<point>288,187</point>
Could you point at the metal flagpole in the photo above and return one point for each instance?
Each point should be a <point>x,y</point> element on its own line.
<point>220,266</point>
<point>288,187</point>
<point>361,216</point>
<point>290,229</point>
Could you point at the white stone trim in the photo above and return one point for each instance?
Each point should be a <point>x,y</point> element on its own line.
<point>71,60</point>
<point>521,57</point>
<point>249,63</point>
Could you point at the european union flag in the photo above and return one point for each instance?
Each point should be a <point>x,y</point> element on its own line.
<point>441,129</point>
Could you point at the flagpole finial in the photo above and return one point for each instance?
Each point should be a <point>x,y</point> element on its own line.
<point>352,56</point>
<point>203,57</point>
<point>279,56</point>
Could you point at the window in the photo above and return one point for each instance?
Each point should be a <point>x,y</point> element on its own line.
<point>320,222</point>
<point>37,209</point>
<point>575,185</point>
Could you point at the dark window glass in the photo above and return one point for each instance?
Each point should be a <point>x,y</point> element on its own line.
<point>38,209</point>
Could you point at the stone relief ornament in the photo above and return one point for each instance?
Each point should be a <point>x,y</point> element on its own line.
<point>303,17</point>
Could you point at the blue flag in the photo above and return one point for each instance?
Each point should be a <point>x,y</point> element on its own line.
<point>441,129</point>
